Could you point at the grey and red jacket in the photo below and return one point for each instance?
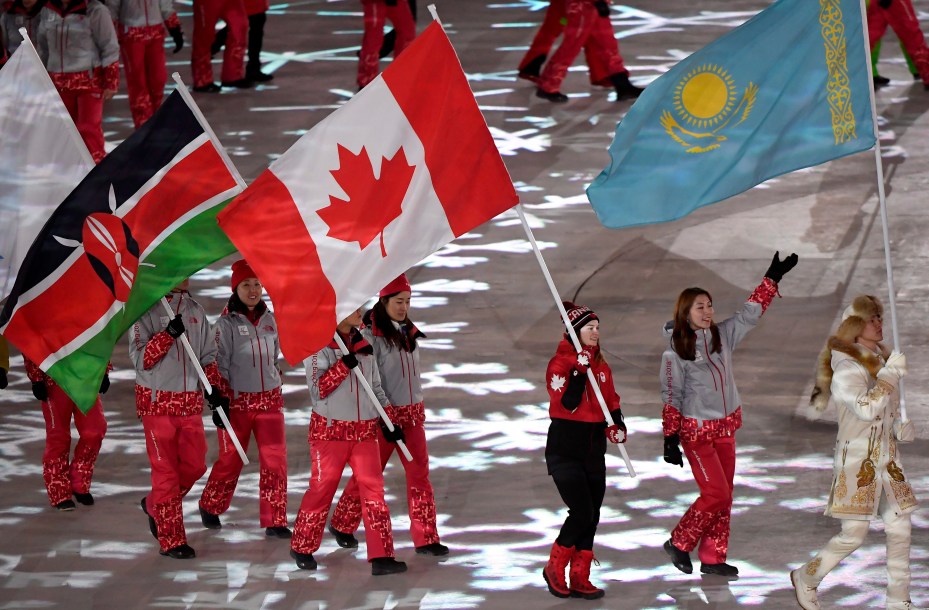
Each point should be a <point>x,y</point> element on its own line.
<point>142,20</point>
<point>166,381</point>
<point>248,350</point>
<point>578,433</point>
<point>335,393</point>
<point>78,45</point>
<point>701,401</point>
<point>398,366</point>
<point>13,16</point>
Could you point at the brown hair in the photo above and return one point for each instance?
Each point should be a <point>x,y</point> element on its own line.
<point>683,338</point>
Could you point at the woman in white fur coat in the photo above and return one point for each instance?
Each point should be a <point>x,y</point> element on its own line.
<point>863,379</point>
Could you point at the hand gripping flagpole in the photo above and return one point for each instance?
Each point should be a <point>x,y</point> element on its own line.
<point>206,384</point>
<point>377,404</point>
<point>577,344</point>
<point>883,206</point>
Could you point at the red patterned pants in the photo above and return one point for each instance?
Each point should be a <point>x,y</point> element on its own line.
<point>376,12</point>
<point>206,14</point>
<point>552,27</point>
<point>901,17</point>
<point>419,494</point>
<point>328,461</point>
<point>86,110</point>
<point>707,520</point>
<point>62,479</point>
<point>177,451</point>
<point>268,428</point>
<point>585,27</point>
<point>146,75</point>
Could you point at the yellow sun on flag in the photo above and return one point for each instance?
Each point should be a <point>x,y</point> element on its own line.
<point>705,96</point>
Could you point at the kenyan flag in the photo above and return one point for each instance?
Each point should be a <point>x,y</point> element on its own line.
<point>139,223</point>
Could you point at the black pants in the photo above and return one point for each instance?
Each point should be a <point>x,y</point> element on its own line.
<point>582,488</point>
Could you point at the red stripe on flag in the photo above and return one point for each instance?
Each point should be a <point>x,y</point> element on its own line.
<point>266,227</point>
<point>43,326</point>
<point>467,172</point>
<point>198,177</point>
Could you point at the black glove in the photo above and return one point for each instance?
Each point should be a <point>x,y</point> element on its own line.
<point>178,37</point>
<point>105,384</point>
<point>3,379</point>
<point>392,437</point>
<point>217,403</point>
<point>390,2</point>
<point>617,416</point>
<point>350,361</point>
<point>40,390</point>
<point>175,327</point>
<point>672,453</point>
<point>779,268</point>
<point>885,3</point>
<point>577,382</point>
<point>603,9</point>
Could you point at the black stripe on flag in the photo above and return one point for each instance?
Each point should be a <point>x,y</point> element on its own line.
<point>127,168</point>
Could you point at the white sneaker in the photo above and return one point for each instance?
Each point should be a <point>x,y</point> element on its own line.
<point>806,594</point>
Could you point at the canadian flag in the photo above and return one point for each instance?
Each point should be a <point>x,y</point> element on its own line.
<point>399,171</point>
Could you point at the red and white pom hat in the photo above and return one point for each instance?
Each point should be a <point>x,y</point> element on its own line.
<point>401,284</point>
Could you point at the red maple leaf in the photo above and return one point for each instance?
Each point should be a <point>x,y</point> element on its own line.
<point>373,203</point>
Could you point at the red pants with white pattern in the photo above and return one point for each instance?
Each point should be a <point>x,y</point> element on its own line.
<point>552,27</point>
<point>176,447</point>
<point>146,75</point>
<point>585,27</point>
<point>328,461</point>
<point>86,110</point>
<point>901,17</point>
<point>707,520</point>
<point>376,12</point>
<point>268,428</point>
<point>61,478</point>
<point>206,14</point>
<point>419,494</point>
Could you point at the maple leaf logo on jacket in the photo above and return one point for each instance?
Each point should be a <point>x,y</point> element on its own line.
<point>352,220</point>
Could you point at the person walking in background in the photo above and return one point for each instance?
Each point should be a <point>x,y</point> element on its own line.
<point>387,327</point>
<point>703,410</point>
<point>140,28</point>
<point>248,349</point>
<point>862,377</point>
<point>77,43</point>
<point>376,12</point>
<point>206,14</point>
<point>575,449</point>
<point>588,22</point>
<point>257,12</point>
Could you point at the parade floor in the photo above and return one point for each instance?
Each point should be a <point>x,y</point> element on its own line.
<point>492,326</point>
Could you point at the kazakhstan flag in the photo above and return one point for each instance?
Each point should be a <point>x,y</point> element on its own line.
<point>788,89</point>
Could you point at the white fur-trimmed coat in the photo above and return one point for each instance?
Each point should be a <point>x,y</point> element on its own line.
<point>867,463</point>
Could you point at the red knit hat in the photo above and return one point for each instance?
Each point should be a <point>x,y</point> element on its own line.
<point>579,315</point>
<point>401,284</point>
<point>241,272</point>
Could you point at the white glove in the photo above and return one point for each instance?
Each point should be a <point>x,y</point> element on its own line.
<point>905,431</point>
<point>894,369</point>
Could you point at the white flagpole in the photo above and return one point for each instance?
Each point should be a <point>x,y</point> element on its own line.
<point>206,384</point>
<point>577,344</point>
<point>892,302</point>
<point>182,89</point>
<point>377,405</point>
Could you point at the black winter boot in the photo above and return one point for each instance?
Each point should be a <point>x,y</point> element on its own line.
<point>533,69</point>
<point>679,558</point>
<point>556,97</point>
<point>625,90</point>
<point>381,566</point>
<point>85,499</point>
<point>210,521</point>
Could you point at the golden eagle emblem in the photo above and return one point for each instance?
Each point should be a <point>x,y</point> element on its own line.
<point>705,100</point>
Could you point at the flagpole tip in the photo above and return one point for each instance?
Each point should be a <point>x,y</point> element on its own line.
<point>434,13</point>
